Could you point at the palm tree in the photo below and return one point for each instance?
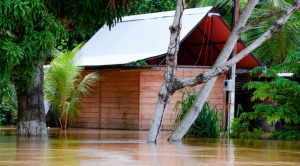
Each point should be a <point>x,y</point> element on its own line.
<point>275,50</point>
<point>285,41</point>
<point>64,86</point>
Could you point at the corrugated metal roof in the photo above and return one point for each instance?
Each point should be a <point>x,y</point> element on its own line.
<point>136,37</point>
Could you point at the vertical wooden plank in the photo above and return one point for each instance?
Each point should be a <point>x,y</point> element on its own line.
<point>139,120</point>
<point>100,102</point>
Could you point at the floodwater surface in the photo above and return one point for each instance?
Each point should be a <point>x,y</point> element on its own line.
<point>78,147</point>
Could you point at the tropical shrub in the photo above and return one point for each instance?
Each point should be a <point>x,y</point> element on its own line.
<point>8,106</point>
<point>207,123</point>
<point>64,86</point>
<point>276,99</point>
<point>241,128</point>
<point>281,96</point>
<point>287,133</point>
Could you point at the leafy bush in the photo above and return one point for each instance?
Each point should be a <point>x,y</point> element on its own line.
<point>275,100</point>
<point>8,107</point>
<point>280,96</point>
<point>241,128</point>
<point>206,124</point>
<point>287,133</point>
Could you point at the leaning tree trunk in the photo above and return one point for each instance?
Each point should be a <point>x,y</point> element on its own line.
<point>171,83</point>
<point>222,65</point>
<point>31,111</point>
<point>193,113</point>
<point>166,91</point>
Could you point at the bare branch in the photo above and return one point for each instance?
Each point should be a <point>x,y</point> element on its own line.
<point>267,35</point>
<point>224,55</point>
<point>245,15</point>
<point>261,19</point>
<point>219,69</point>
<point>199,79</point>
<point>231,41</point>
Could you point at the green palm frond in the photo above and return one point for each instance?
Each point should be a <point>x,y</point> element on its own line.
<point>64,85</point>
<point>275,50</point>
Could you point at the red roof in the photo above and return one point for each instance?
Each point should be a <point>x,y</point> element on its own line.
<point>203,45</point>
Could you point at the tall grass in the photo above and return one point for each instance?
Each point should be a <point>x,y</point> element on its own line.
<point>206,124</point>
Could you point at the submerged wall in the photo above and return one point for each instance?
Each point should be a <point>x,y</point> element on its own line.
<point>150,83</point>
<point>113,103</point>
<point>127,100</point>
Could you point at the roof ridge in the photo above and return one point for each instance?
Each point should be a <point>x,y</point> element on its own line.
<point>191,11</point>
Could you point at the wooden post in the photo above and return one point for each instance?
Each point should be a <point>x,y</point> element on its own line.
<point>231,101</point>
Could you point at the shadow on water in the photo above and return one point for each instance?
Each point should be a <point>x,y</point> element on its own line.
<point>120,147</point>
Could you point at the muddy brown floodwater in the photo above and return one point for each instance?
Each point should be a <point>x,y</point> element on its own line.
<point>119,147</point>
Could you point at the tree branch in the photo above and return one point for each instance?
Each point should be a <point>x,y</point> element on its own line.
<point>231,41</point>
<point>219,69</point>
<point>225,53</point>
<point>261,19</point>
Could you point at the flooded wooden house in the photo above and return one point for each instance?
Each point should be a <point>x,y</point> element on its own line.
<point>126,96</point>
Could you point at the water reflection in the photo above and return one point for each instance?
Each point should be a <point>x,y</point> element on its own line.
<point>119,147</point>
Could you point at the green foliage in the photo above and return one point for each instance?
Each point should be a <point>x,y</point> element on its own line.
<point>83,18</point>
<point>8,107</point>
<point>182,106</point>
<point>287,133</point>
<point>29,30</point>
<point>242,129</point>
<point>206,124</point>
<point>137,63</point>
<point>224,7</point>
<point>277,99</point>
<point>27,33</point>
<point>281,95</point>
<point>275,50</point>
<point>64,86</point>
<point>152,6</point>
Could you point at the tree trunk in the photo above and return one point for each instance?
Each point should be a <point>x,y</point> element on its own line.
<point>166,91</point>
<point>171,83</point>
<point>66,122</point>
<point>222,64</point>
<point>31,111</point>
<point>206,88</point>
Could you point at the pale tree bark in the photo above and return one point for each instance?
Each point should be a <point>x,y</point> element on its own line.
<point>31,111</point>
<point>166,92</point>
<point>232,71</point>
<point>222,64</point>
<point>171,83</point>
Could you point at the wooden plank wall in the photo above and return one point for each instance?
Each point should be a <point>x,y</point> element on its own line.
<point>127,100</point>
<point>120,100</point>
<point>150,83</point>
<point>89,112</point>
<point>113,104</point>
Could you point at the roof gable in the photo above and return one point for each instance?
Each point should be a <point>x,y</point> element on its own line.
<point>136,37</point>
<point>146,36</point>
